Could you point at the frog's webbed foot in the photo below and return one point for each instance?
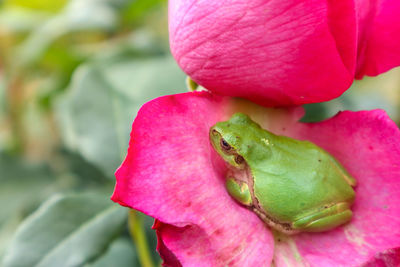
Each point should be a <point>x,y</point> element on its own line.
<point>239,190</point>
<point>325,219</point>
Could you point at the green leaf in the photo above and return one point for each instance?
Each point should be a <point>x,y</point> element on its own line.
<point>3,102</point>
<point>23,183</point>
<point>20,20</point>
<point>96,114</point>
<point>315,112</point>
<point>121,253</point>
<point>138,9</point>
<point>68,230</point>
<point>23,187</point>
<point>77,16</point>
<point>7,230</point>
<point>41,5</point>
<point>369,93</point>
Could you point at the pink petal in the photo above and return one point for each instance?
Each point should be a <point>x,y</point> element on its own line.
<point>271,52</point>
<point>389,258</point>
<point>367,144</point>
<point>172,173</point>
<point>379,36</point>
<point>166,254</point>
<point>288,52</point>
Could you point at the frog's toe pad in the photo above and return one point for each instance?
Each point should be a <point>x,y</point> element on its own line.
<point>239,191</point>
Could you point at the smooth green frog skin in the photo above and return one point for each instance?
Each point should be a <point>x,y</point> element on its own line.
<point>294,186</point>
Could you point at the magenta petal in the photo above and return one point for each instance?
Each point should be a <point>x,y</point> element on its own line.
<point>379,36</point>
<point>288,52</point>
<point>271,52</point>
<point>367,144</point>
<point>389,258</point>
<point>166,254</point>
<point>172,173</point>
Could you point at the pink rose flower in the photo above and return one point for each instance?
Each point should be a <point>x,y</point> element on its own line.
<point>289,52</point>
<point>173,174</point>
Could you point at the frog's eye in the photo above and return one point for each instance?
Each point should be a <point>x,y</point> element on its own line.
<point>239,159</point>
<point>225,146</point>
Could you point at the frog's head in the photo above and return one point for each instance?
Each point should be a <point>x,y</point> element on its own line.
<point>231,139</point>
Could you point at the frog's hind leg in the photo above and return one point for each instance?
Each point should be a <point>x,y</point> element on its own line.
<point>239,190</point>
<point>344,173</point>
<point>325,219</point>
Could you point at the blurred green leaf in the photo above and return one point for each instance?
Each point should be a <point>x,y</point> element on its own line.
<point>19,20</point>
<point>120,254</point>
<point>137,9</point>
<point>23,187</point>
<point>96,114</point>
<point>7,230</point>
<point>68,230</point>
<point>77,16</point>
<point>381,92</point>
<point>315,112</point>
<point>135,45</point>
<point>43,5</point>
<point>2,98</point>
<point>88,176</point>
<point>23,183</point>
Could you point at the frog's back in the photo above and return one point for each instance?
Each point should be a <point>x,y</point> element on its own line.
<point>299,173</point>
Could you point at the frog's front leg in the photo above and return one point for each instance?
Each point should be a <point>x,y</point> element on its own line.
<point>239,191</point>
<point>325,219</point>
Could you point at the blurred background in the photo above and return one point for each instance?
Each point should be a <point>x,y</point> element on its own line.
<point>73,74</point>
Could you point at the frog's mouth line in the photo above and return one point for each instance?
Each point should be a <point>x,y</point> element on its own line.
<point>245,176</point>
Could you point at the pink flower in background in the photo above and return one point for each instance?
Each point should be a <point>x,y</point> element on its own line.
<point>173,174</point>
<point>289,52</point>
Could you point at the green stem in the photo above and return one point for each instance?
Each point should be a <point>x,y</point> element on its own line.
<point>139,237</point>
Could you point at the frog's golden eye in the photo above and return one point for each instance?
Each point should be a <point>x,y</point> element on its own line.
<point>224,145</point>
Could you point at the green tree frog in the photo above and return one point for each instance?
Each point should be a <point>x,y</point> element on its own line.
<point>293,186</point>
